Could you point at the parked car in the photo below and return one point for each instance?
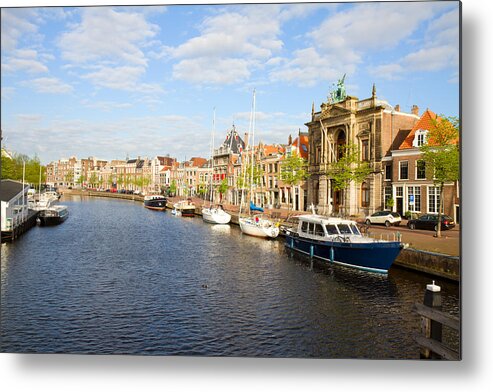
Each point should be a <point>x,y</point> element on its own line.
<point>387,218</point>
<point>430,222</point>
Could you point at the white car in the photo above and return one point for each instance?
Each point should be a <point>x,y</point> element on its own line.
<point>387,218</point>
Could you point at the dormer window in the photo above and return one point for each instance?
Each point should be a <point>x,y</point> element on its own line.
<point>420,138</point>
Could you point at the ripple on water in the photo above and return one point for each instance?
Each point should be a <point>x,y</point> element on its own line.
<point>116,278</point>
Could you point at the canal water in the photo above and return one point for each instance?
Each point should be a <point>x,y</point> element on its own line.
<point>116,278</point>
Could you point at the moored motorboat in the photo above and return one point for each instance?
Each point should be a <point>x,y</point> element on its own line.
<point>215,215</point>
<point>185,208</point>
<point>53,215</point>
<point>259,226</point>
<point>339,241</point>
<point>155,202</point>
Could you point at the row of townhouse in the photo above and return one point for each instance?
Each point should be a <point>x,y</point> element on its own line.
<point>387,138</point>
<point>143,174</point>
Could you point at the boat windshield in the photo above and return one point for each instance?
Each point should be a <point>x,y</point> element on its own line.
<point>355,230</point>
<point>331,229</point>
<point>345,229</point>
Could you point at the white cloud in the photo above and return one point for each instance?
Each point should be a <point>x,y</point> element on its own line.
<point>30,66</point>
<point>7,92</point>
<point>125,78</point>
<point>105,33</point>
<point>439,51</point>
<point>308,67</point>
<point>231,45</point>
<point>15,25</point>
<point>49,86</point>
<point>212,70</point>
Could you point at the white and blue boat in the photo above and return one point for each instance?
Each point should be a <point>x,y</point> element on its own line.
<point>339,241</point>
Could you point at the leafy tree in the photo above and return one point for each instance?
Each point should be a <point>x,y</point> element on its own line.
<point>348,168</point>
<point>442,157</point>
<point>172,188</point>
<point>69,177</point>
<point>120,181</point>
<point>81,180</point>
<point>293,172</point>
<point>202,189</point>
<point>13,169</point>
<point>223,188</point>
<point>93,180</point>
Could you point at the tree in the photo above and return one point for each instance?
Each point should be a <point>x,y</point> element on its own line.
<point>223,188</point>
<point>293,172</point>
<point>69,177</point>
<point>81,180</point>
<point>442,157</point>
<point>119,181</point>
<point>172,188</point>
<point>348,168</point>
<point>93,180</point>
<point>202,189</point>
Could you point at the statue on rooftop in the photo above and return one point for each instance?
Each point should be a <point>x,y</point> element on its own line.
<point>338,94</point>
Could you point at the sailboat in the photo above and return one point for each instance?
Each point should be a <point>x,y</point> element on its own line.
<point>214,214</point>
<point>256,224</point>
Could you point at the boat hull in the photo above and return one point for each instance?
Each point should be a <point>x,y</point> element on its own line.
<point>251,228</point>
<point>372,256</point>
<point>155,204</point>
<point>51,219</point>
<point>215,216</point>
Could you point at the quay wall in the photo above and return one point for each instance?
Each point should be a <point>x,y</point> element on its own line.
<point>436,264</point>
<point>431,263</point>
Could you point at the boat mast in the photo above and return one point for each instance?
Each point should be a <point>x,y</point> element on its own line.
<point>253,146</point>
<point>211,196</point>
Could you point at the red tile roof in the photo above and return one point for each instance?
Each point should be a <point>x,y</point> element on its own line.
<point>425,123</point>
<point>303,140</point>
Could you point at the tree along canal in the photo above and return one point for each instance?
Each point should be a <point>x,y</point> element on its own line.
<point>116,278</point>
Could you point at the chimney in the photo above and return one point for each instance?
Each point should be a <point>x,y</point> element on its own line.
<point>290,140</point>
<point>415,110</point>
<point>245,139</point>
<point>397,108</point>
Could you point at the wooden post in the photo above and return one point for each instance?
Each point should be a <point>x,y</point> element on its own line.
<point>429,328</point>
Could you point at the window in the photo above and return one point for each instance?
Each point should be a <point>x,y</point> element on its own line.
<point>388,172</point>
<point>319,230</point>
<point>365,194</point>
<point>420,170</point>
<point>421,139</point>
<point>331,229</point>
<point>365,151</point>
<point>304,227</point>
<point>403,170</point>
<point>414,198</point>
<point>344,229</point>
<point>433,199</point>
<point>387,194</point>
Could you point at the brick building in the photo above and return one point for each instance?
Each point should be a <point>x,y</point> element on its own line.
<point>405,176</point>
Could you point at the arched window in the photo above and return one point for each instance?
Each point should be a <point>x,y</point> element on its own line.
<point>341,141</point>
<point>365,194</point>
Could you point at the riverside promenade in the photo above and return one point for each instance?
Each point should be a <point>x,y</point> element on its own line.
<point>425,253</point>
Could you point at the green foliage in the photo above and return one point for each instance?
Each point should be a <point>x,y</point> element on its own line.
<point>81,179</point>
<point>202,189</point>
<point>293,170</point>
<point>244,182</point>
<point>223,187</point>
<point>348,168</point>
<point>93,180</point>
<point>389,202</point>
<point>12,169</point>
<point>442,156</point>
<point>172,188</point>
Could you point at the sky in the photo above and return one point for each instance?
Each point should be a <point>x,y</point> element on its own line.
<point>128,81</point>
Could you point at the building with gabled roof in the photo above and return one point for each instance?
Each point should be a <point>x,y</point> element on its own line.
<point>406,180</point>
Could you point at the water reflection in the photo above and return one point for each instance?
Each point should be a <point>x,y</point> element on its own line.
<point>119,278</point>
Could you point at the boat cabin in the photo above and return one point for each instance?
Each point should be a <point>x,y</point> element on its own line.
<point>319,227</point>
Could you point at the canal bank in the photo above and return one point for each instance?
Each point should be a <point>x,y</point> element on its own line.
<point>437,257</point>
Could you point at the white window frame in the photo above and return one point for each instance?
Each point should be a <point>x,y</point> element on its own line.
<point>400,162</point>
<point>436,197</point>
<point>416,170</point>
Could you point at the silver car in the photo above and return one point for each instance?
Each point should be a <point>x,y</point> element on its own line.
<point>387,218</point>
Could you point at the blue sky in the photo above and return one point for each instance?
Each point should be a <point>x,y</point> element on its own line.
<point>143,81</point>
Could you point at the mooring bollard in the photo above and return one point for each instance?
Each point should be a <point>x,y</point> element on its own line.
<point>429,328</point>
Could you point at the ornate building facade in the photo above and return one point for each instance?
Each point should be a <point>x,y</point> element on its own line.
<point>372,125</point>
